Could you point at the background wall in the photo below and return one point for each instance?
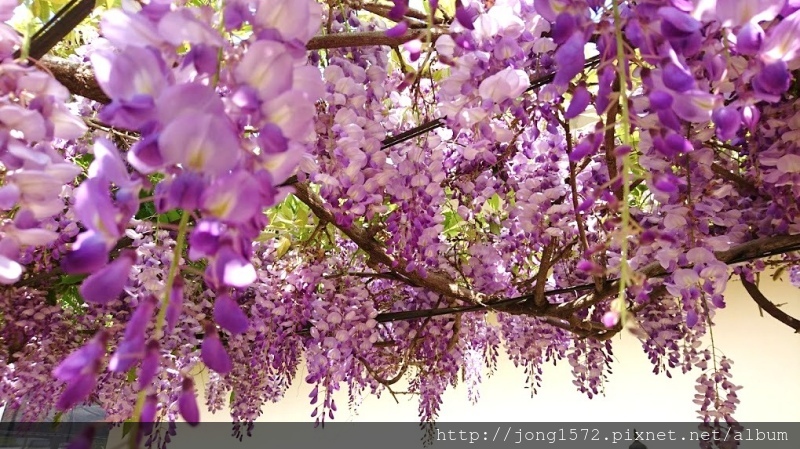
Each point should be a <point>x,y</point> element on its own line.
<point>765,352</point>
<point>766,363</point>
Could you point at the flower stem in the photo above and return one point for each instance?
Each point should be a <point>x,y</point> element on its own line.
<point>161,318</point>
<point>626,138</point>
<point>180,242</point>
<point>135,416</point>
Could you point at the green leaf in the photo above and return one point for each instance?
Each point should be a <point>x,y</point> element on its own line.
<point>131,377</point>
<point>439,75</point>
<point>52,298</point>
<point>449,219</point>
<point>283,246</point>
<point>285,213</point>
<point>127,426</point>
<point>494,202</point>
<point>302,218</point>
<point>84,160</point>
<point>147,209</point>
<point>72,279</point>
<point>172,216</point>
<point>70,299</point>
<point>266,236</point>
<point>42,10</point>
<point>452,223</point>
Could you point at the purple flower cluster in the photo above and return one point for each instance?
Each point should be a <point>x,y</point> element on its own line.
<point>714,408</point>
<point>195,137</point>
<point>553,175</point>
<point>34,120</point>
<point>221,125</point>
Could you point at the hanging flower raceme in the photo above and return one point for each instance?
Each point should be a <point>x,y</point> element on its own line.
<point>79,371</point>
<point>187,127</point>
<point>194,99</point>
<point>33,115</point>
<point>132,347</point>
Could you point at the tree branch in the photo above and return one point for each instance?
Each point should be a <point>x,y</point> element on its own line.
<point>433,281</point>
<point>728,175</point>
<point>411,13</point>
<point>754,249</point>
<point>539,298</point>
<point>61,24</point>
<point>364,39</point>
<point>769,307</point>
<point>79,79</point>
<point>76,77</point>
<point>609,140</point>
<point>43,280</point>
<point>742,253</point>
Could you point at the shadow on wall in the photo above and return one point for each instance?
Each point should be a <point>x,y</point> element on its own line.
<point>55,431</point>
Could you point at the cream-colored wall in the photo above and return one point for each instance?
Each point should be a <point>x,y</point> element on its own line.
<point>766,363</point>
<point>766,357</point>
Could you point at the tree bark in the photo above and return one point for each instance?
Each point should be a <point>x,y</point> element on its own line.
<point>76,77</point>
<point>79,79</point>
<point>769,307</point>
<point>433,281</point>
